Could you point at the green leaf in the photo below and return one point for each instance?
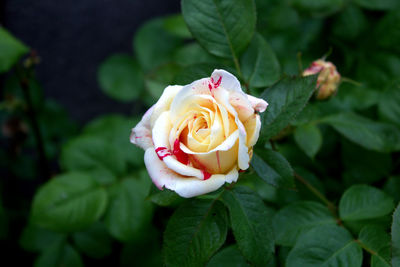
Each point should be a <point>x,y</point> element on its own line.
<point>377,4</point>
<point>273,168</point>
<point>59,254</point>
<point>115,130</point>
<point>37,239</point>
<point>87,153</point>
<point>296,219</point>
<point>327,245</point>
<point>194,233</point>
<point>364,202</point>
<point>129,212</point>
<point>11,50</point>
<point>286,99</point>
<point>165,197</point>
<point>154,45</point>
<point>396,238</point>
<point>228,257</point>
<point>377,242</point>
<point>175,25</point>
<point>389,103</point>
<point>370,134</point>
<point>309,138</point>
<point>251,224</point>
<point>68,202</point>
<point>260,66</point>
<point>120,78</point>
<point>223,27</point>
<point>94,241</point>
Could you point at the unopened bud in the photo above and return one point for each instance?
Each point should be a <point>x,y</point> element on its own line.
<point>328,79</point>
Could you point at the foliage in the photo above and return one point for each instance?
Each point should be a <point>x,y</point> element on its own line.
<point>324,180</point>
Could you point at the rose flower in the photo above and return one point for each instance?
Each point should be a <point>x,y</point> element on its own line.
<point>199,136</point>
<point>328,78</point>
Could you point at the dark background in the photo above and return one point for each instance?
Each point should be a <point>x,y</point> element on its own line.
<point>73,37</point>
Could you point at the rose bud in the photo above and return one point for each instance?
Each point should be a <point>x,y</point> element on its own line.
<point>199,136</point>
<point>328,79</point>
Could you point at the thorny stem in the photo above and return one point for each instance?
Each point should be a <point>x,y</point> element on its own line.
<point>43,163</point>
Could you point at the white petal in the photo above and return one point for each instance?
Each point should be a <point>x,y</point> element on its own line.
<point>187,187</point>
<point>228,81</point>
<point>258,104</point>
<point>141,134</point>
<point>164,101</point>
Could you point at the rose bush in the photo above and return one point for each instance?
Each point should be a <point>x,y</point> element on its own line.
<point>199,136</point>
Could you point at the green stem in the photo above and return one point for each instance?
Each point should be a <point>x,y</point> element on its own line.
<point>24,82</point>
<point>348,80</point>
<point>317,193</point>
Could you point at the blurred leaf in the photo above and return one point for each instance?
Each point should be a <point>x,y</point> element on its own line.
<point>377,4</point>
<point>143,251</point>
<point>370,134</point>
<point>115,130</point>
<point>228,257</point>
<point>68,202</point>
<point>259,63</point>
<point>273,168</point>
<point>387,31</point>
<point>379,70</point>
<point>294,220</point>
<point>36,239</point>
<point>223,27</point>
<point>364,202</point>
<point>377,241</point>
<point>86,153</point>
<point>129,211</point>
<point>175,25</point>
<point>11,50</point>
<point>153,45</point>
<point>320,7</point>
<point>389,103</point>
<point>251,224</point>
<point>356,97</point>
<point>195,232</point>
<point>195,72</point>
<point>396,238</point>
<point>392,187</point>
<point>158,79</point>
<point>327,245</point>
<point>363,166</point>
<point>94,241</point>
<point>120,78</point>
<point>191,54</point>
<point>59,254</point>
<point>286,99</point>
<point>350,23</point>
<point>309,139</point>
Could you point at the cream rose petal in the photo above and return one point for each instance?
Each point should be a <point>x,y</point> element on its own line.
<point>141,134</point>
<point>187,187</point>
<point>160,133</point>
<point>164,102</point>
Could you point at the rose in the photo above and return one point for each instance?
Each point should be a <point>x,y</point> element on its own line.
<point>328,78</point>
<point>199,136</point>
